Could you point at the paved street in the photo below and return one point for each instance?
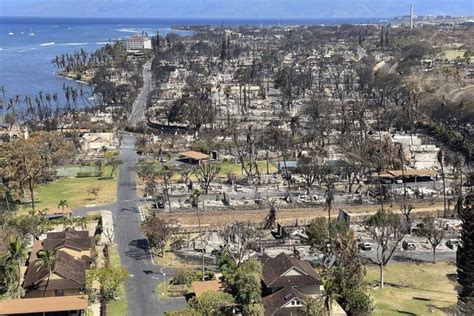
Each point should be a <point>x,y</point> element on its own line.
<point>413,256</point>
<point>138,109</point>
<point>132,245</point>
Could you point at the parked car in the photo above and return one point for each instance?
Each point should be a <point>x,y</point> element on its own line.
<point>365,246</point>
<point>452,243</point>
<point>408,245</point>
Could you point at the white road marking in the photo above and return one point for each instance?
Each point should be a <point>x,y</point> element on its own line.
<point>142,218</point>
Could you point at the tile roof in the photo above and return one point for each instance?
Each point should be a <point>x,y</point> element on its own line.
<point>43,304</point>
<point>274,302</point>
<point>66,266</point>
<point>68,233</point>
<point>78,243</point>
<point>274,268</point>
<point>37,246</point>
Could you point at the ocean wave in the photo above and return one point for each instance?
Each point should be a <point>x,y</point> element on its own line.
<point>72,44</point>
<point>125,30</point>
<point>48,44</point>
<point>22,51</point>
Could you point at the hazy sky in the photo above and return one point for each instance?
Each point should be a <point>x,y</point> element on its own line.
<point>233,8</point>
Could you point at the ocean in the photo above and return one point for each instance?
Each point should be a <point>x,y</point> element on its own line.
<point>28,45</point>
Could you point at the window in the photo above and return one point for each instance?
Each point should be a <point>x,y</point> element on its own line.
<point>59,292</point>
<point>295,303</point>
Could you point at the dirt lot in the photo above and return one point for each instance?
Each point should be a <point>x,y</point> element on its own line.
<point>289,216</point>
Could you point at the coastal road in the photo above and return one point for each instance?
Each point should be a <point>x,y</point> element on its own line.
<point>138,109</point>
<point>131,243</point>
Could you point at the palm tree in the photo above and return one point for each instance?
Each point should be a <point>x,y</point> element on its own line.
<point>63,204</point>
<point>195,197</point>
<point>329,199</point>
<point>82,222</point>
<point>330,288</point>
<point>46,260</point>
<point>2,100</point>
<point>68,222</point>
<point>14,257</point>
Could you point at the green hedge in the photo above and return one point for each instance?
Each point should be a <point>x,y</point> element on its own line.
<point>88,174</point>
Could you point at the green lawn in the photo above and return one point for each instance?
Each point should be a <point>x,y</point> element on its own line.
<point>413,289</point>
<point>452,54</point>
<point>74,190</point>
<point>119,307</point>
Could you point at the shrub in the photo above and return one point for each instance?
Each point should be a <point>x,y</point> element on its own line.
<point>358,301</point>
<point>182,276</point>
<point>87,174</point>
<point>212,303</point>
<point>208,275</point>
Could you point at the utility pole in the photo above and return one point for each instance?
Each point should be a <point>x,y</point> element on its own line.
<point>411,16</point>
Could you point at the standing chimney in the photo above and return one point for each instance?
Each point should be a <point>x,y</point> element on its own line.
<point>411,16</point>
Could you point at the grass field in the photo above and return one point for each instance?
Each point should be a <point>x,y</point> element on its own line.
<point>74,190</point>
<point>119,307</point>
<point>413,289</point>
<point>226,168</point>
<point>452,54</point>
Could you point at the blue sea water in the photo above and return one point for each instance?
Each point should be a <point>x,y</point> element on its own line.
<point>28,45</point>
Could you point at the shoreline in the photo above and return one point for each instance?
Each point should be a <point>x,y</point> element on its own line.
<point>72,77</point>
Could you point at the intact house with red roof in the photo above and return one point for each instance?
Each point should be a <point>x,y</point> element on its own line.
<point>287,283</point>
<point>75,251</point>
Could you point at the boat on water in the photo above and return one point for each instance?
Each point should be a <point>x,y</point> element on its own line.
<point>31,32</point>
<point>11,33</point>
